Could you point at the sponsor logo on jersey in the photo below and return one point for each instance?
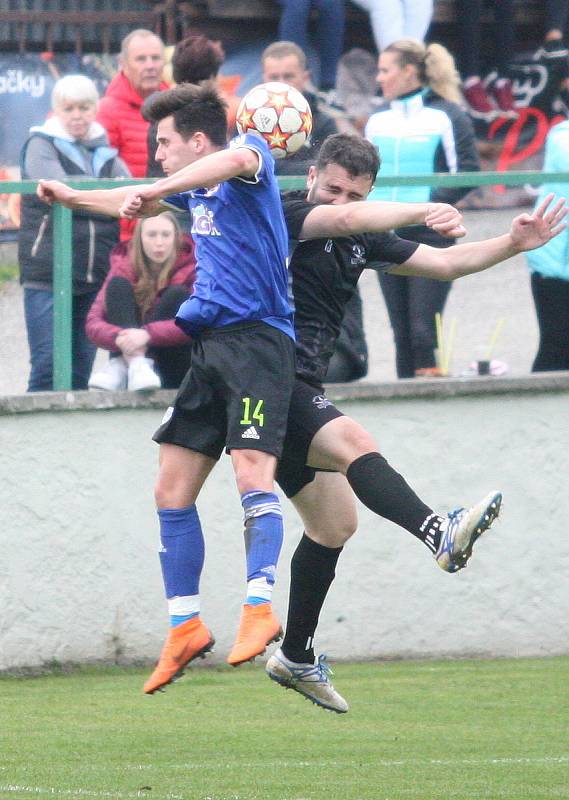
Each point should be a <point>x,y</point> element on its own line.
<point>202,221</point>
<point>321,402</point>
<point>250,433</point>
<point>358,255</point>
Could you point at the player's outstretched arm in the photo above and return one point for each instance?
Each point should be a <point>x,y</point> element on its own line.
<point>378,216</point>
<point>96,201</point>
<point>527,232</point>
<point>203,173</point>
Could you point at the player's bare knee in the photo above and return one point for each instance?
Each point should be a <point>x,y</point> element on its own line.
<point>253,470</point>
<point>333,535</point>
<point>356,442</point>
<point>172,492</point>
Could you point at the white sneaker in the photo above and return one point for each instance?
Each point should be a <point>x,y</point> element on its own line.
<point>463,528</point>
<point>310,680</point>
<point>141,375</point>
<point>112,377</point>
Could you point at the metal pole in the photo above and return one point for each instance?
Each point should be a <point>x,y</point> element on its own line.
<point>62,298</point>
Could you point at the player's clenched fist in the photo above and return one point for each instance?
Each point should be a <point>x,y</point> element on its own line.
<point>55,192</point>
<point>138,202</point>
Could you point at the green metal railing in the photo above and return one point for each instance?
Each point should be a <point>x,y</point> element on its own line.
<point>63,248</point>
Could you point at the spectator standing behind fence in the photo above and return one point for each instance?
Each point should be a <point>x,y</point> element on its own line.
<point>196,59</point>
<point>142,62</point>
<point>133,313</point>
<point>487,86</point>
<point>69,144</point>
<point>553,54</point>
<point>420,129</point>
<point>397,19</point>
<point>549,267</point>
<point>329,33</point>
<point>286,62</point>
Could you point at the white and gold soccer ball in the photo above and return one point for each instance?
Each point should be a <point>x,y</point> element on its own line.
<point>278,113</point>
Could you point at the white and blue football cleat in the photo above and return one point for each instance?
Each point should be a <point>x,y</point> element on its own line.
<point>310,680</point>
<point>463,528</point>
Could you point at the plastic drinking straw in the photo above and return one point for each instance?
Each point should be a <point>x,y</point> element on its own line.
<point>494,338</point>
<point>449,347</point>
<point>440,341</point>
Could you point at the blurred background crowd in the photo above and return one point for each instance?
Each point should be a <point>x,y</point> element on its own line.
<point>437,86</point>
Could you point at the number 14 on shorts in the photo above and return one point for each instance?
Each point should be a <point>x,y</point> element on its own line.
<point>257,415</point>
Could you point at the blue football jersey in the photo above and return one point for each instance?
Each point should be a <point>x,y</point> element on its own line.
<point>241,250</point>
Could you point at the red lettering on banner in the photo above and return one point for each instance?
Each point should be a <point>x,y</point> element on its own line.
<point>510,153</point>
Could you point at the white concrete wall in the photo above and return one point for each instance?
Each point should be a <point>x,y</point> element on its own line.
<point>79,571</point>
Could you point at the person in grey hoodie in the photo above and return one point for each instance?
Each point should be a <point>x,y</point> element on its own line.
<point>69,144</point>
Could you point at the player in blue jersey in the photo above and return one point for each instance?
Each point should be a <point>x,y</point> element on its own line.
<point>237,391</point>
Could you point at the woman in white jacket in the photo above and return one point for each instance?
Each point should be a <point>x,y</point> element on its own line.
<point>420,129</point>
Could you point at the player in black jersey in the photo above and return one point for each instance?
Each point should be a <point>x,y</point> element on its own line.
<point>319,437</point>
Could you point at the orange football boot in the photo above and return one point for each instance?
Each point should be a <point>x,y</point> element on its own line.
<point>185,642</point>
<point>258,628</point>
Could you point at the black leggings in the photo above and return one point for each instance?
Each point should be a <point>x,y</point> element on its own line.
<point>556,15</point>
<point>172,363</point>
<point>478,55</point>
<point>551,298</point>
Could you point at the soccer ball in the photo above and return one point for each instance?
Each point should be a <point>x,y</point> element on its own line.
<point>279,114</point>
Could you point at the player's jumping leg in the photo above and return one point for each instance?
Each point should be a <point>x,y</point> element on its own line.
<point>259,625</point>
<point>182,473</point>
<point>328,511</point>
<point>343,444</point>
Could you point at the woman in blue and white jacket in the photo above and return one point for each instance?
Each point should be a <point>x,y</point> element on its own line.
<point>420,129</point>
<point>549,267</point>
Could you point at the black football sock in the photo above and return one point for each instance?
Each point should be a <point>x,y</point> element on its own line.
<point>385,492</point>
<point>312,570</point>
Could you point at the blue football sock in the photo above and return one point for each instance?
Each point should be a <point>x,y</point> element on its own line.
<point>177,619</point>
<point>263,542</point>
<point>182,558</point>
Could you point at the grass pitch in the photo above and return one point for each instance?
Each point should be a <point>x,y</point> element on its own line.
<point>415,730</point>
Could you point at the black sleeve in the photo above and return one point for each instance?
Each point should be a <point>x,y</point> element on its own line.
<point>386,249</point>
<point>296,208</point>
<point>466,154</point>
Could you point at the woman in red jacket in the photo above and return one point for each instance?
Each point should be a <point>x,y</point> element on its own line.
<point>133,313</point>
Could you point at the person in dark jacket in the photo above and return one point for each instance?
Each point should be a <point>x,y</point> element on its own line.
<point>421,129</point>
<point>196,59</point>
<point>69,144</point>
<point>133,313</point>
<point>286,62</point>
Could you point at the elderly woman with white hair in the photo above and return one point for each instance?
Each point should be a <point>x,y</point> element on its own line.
<point>70,143</point>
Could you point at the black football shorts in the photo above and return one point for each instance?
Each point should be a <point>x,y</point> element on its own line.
<point>309,411</point>
<point>236,393</point>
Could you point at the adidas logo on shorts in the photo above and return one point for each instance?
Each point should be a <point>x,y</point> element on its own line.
<point>250,433</point>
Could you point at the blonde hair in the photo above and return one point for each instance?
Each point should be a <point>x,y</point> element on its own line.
<point>147,282</point>
<point>436,67</point>
<point>74,88</point>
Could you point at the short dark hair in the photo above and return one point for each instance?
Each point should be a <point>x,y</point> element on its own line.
<point>196,58</point>
<point>194,108</point>
<point>356,155</point>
